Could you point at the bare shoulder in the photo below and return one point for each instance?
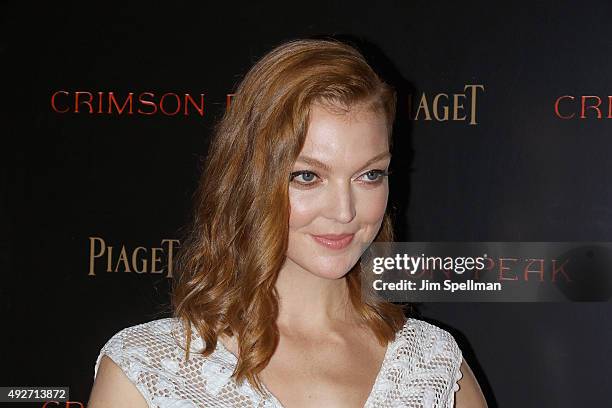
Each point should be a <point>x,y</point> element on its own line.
<point>112,388</point>
<point>469,394</point>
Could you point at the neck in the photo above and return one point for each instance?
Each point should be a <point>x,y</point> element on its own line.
<point>312,303</point>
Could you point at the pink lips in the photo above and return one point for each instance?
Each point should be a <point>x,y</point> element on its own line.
<point>334,241</point>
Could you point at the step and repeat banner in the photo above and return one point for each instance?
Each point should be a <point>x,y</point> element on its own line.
<point>503,135</point>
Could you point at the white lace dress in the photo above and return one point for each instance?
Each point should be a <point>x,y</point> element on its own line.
<point>420,369</point>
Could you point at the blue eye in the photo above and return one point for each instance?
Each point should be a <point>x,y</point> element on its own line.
<point>377,174</point>
<point>307,176</point>
<point>373,174</point>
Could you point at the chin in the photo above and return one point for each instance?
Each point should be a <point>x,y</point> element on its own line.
<point>331,274</point>
<point>331,269</point>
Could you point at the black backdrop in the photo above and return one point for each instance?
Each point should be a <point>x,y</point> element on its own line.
<point>524,171</point>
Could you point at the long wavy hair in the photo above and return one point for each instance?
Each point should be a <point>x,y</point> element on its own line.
<point>236,242</point>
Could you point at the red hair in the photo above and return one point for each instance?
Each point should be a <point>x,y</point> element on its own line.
<point>236,244</point>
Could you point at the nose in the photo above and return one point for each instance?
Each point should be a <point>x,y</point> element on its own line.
<point>341,203</point>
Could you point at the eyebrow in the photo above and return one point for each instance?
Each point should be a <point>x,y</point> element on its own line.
<point>314,162</point>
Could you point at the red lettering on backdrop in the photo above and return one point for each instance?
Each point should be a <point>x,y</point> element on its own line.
<point>557,107</point>
<point>491,265</point>
<point>178,104</point>
<point>587,102</point>
<point>502,269</point>
<point>88,102</point>
<point>53,102</point>
<point>147,103</point>
<point>539,271</point>
<point>100,95</point>
<point>112,101</point>
<point>228,100</point>
<point>200,108</point>
<point>584,107</point>
<point>558,270</point>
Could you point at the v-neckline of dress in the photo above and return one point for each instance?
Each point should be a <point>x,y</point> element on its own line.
<point>277,403</point>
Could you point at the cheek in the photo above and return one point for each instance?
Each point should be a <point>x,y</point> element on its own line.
<point>304,209</point>
<point>371,212</point>
<point>371,205</point>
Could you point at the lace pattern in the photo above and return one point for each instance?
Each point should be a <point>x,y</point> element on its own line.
<point>420,369</point>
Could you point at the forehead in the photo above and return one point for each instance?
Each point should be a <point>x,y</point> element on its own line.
<point>358,132</point>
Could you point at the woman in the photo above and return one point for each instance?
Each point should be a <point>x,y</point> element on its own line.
<point>268,308</point>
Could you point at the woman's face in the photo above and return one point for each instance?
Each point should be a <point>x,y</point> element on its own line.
<point>338,186</point>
